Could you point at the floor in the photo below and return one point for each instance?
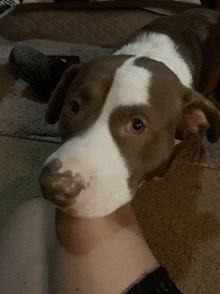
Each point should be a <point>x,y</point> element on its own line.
<point>22,161</point>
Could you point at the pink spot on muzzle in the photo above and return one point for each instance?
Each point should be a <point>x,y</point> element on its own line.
<point>60,188</point>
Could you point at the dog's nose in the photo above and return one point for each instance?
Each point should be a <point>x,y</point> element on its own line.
<point>60,188</point>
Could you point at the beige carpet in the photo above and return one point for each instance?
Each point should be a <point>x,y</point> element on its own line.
<point>179,216</point>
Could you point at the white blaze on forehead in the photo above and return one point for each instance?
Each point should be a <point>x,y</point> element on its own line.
<point>130,87</point>
<point>131,84</point>
<point>161,48</point>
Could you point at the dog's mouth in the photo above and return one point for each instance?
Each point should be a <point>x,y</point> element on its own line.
<point>60,188</point>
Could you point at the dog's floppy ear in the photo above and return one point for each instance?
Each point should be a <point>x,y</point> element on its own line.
<point>55,103</point>
<point>200,116</point>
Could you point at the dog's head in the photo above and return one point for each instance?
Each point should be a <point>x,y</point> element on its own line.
<point>118,119</point>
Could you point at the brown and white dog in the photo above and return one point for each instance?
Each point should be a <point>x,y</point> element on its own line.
<point>120,116</point>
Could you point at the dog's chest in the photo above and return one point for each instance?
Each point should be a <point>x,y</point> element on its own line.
<point>159,47</point>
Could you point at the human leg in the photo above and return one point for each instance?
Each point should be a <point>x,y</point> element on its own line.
<point>105,255</point>
<point>88,256</point>
<point>23,248</point>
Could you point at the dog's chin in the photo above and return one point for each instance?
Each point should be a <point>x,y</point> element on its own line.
<point>85,212</point>
<point>88,205</point>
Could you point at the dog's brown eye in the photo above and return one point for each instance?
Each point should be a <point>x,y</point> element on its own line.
<point>137,126</point>
<point>74,107</point>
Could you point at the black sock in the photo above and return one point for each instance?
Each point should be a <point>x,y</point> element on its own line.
<point>156,282</point>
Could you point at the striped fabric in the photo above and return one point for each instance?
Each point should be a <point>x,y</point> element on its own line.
<point>6,6</point>
<point>10,3</point>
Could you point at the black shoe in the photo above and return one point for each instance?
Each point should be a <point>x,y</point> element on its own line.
<point>209,3</point>
<point>40,71</point>
<point>217,91</point>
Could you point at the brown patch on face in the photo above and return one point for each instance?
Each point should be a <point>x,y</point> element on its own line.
<point>166,96</point>
<point>156,67</point>
<point>165,92</point>
<point>89,90</point>
<point>148,152</point>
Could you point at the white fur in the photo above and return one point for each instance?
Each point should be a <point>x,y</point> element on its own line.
<point>161,48</point>
<point>130,85</point>
<point>96,158</point>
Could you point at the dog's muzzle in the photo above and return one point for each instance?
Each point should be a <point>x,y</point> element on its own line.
<point>60,188</point>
